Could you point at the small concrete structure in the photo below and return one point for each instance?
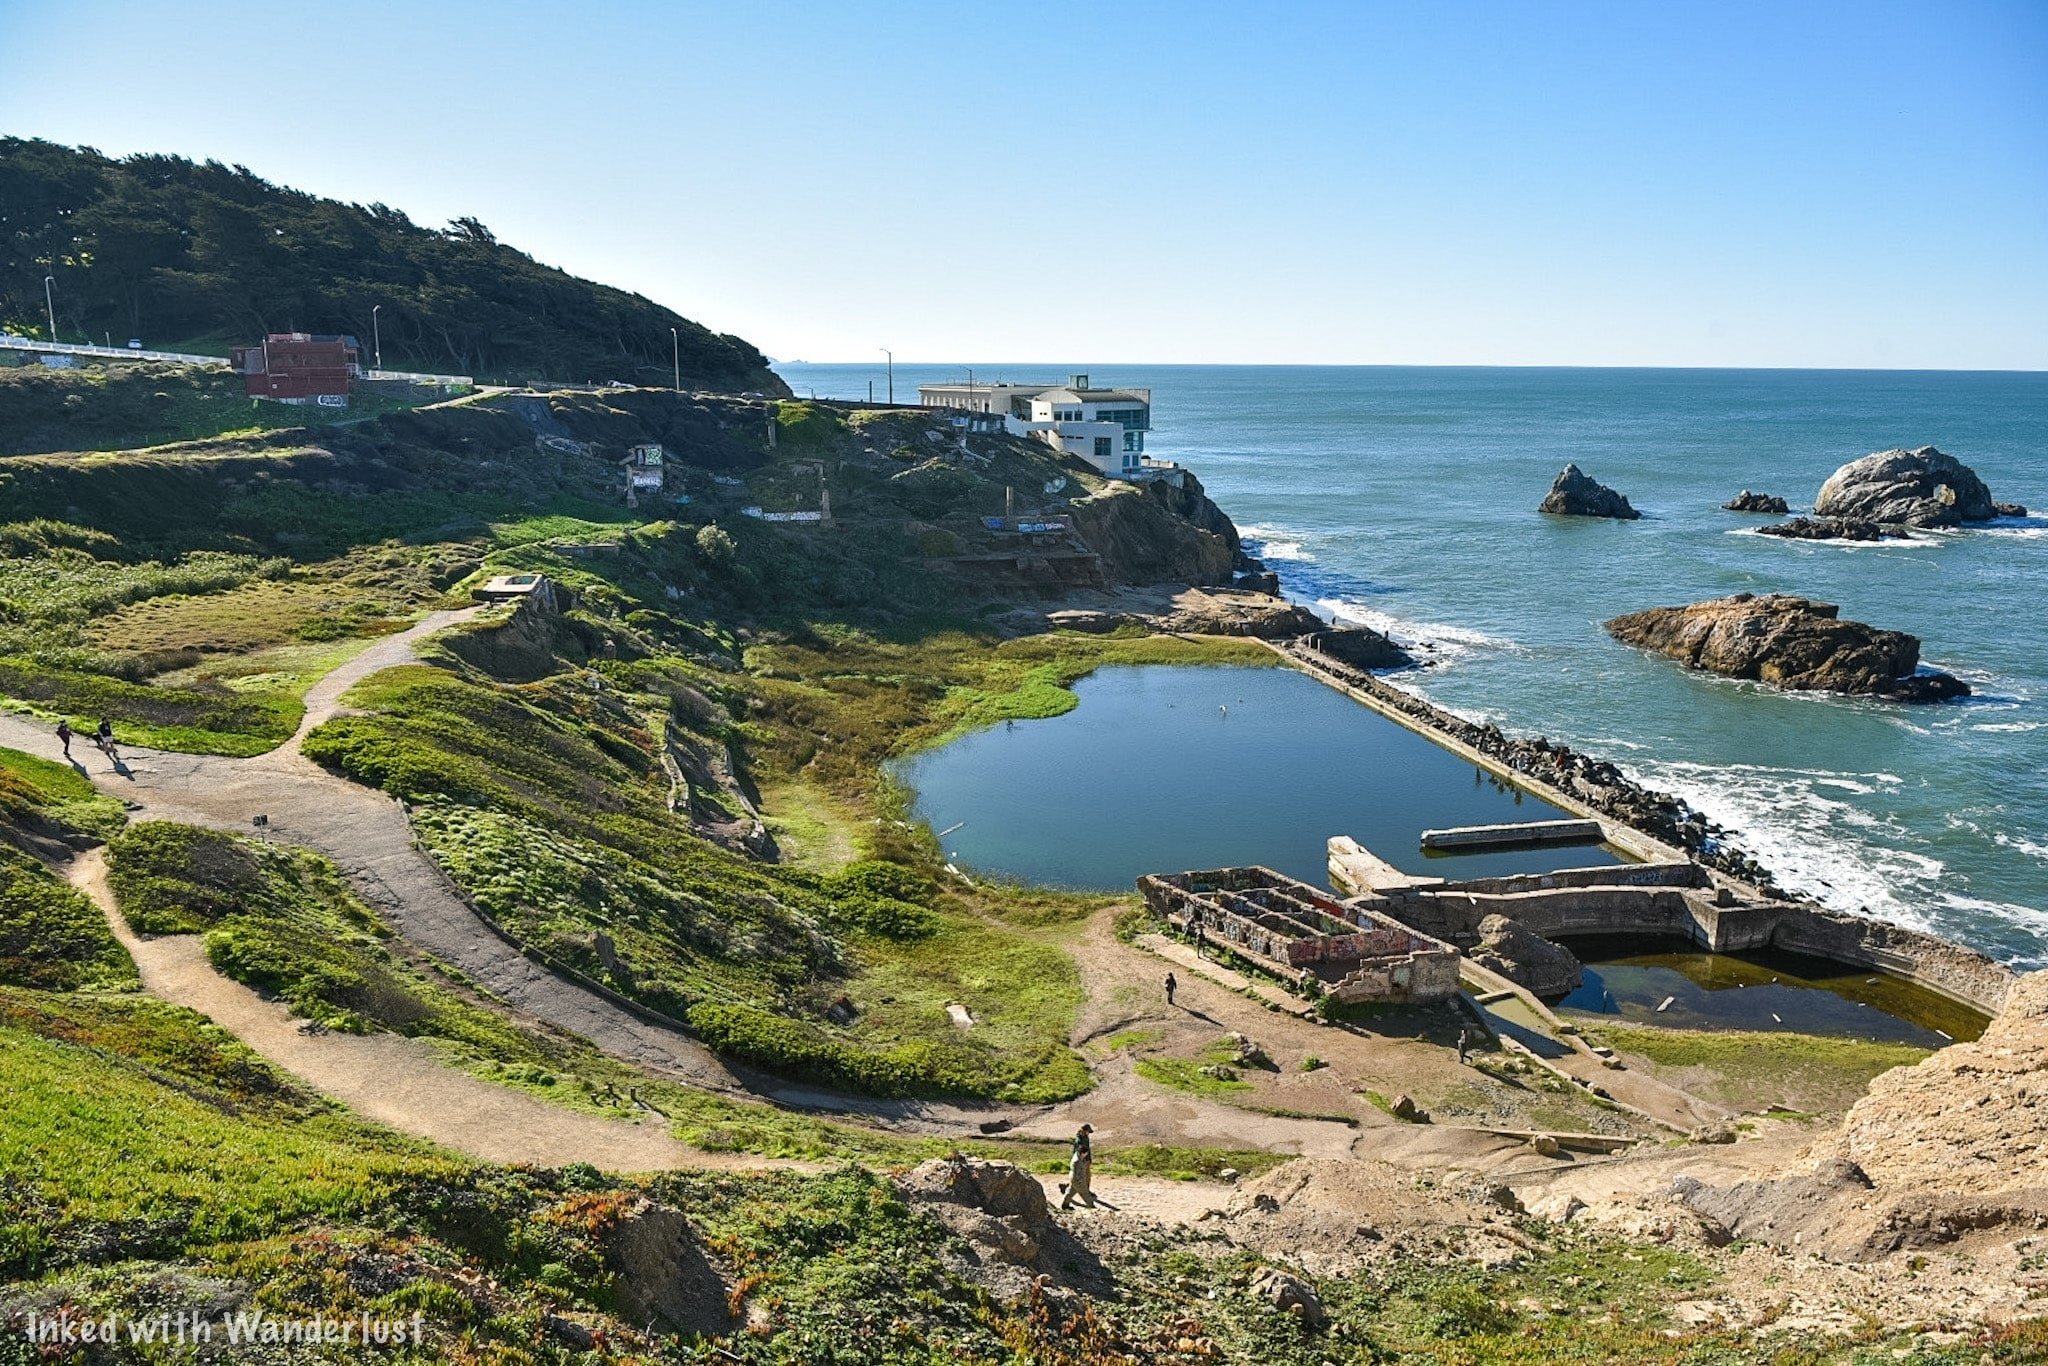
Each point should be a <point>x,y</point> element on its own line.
<point>1289,928</point>
<point>1520,832</point>
<point>519,588</point>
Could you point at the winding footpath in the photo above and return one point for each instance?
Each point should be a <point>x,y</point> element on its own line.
<point>404,1083</point>
<point>366,834</point>
<point>385,1077</point>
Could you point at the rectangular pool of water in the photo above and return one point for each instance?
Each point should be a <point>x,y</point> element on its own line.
<point>1168,767</point>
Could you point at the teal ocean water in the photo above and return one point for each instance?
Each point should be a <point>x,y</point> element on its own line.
<point>1405,498</point>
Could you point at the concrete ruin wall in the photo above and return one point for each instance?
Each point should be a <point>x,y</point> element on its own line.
<point>1951,970</point>
<point>1360,954</point>
<point>1612,875</point>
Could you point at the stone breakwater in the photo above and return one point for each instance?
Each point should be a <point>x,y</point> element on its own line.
<point>1670,892</point>
<point>1579,778</point>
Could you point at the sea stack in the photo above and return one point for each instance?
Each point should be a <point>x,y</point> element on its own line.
<point>1923,487</point>
<point>1746,501</point>
<point>1578,494</point>
<point>1788,642</point>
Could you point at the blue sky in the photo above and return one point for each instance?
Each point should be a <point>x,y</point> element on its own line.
<point>1720,183</point>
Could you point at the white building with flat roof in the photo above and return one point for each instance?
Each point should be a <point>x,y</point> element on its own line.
<point>1105,427</point>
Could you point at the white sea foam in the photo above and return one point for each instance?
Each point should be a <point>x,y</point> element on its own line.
<point>1911,542</point>
<point>1978,909</point>
<point>1273,543</point>
<point>1818,845</point>
<point>2031,848</point>
<point>1448,643</point>
<point>2011,726</point>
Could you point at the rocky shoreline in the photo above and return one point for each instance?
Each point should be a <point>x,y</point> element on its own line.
<point>1596,783</point>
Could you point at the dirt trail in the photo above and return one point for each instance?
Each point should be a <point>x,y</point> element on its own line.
<point>393,1080</point>
<point>366,834</point>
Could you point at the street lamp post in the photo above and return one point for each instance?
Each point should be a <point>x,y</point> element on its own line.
<point>376,337</point>
<point>675,346</point>
<point>50,302</point>
<point>892,373</point>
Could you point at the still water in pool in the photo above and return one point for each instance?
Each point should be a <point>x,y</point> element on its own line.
<point>1631,976</point>
<point>1170,767</point>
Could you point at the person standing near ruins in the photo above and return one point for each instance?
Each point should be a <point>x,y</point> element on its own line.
<point>1080,1171</point>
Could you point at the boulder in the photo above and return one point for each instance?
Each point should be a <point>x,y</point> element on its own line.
<point>1288,1294</point>
<point>1923,487</point>
<point>662,1273</point>
<point>1788,642</point>
<point>2009,509</point>
<point>1830,529</point>
<point>1746,501</point>
<point>1525,957</point>
<point>1001,1189</point>
<point>1577,494</point>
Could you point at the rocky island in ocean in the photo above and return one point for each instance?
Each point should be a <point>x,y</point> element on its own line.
<point>1924,487</point>
<point>1577,494</point>
<point>1788,642</point>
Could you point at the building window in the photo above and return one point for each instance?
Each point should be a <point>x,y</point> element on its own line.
<point>1102,448</point>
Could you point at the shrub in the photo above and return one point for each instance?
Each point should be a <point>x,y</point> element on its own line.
<point>715,545</point>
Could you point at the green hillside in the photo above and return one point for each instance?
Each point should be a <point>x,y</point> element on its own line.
<point>199,256</point>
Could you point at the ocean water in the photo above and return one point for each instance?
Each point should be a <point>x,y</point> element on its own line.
<point>1405,498</point>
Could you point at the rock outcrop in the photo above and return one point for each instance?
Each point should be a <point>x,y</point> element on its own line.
<point>1746,501</point>
<point>1953,1150</point>
<point>998,1207</point>
<point>1164,531</point>
<point>1525,958</point>
<point>1578,494</point>
<point>1361,647</point>
<point>1830,529</point>
<point>1788,642</point>
<point>1923,487</point>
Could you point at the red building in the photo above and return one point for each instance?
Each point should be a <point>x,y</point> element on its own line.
<point>299,367</point>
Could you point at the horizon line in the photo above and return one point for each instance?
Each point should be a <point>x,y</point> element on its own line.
<point>1435,365</point>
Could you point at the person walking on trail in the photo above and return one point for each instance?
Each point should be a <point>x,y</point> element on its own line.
<point>64,737</point>
<point>1464,1043</point>
<point>1080,1171</point>
<point>1170,985</point>
<point>1201,940</point>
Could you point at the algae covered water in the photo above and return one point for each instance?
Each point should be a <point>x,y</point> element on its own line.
<point>1632,976</point>
<point>1170,767</point>
<point>1405,498</point>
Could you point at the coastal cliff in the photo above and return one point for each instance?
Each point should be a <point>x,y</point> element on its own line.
<point>1159,532</point>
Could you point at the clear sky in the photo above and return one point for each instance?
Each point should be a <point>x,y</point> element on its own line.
<point>1649,182</point>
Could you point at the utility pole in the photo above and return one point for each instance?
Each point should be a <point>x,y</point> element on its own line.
<point>675,344</point>
<point>50,302</point>
<point>376,338</point>
<point>884,350</point>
